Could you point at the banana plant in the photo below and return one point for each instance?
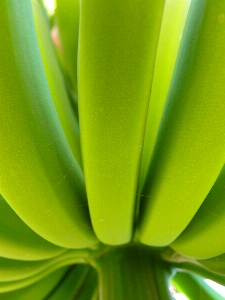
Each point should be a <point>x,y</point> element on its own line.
<point>112,149</point>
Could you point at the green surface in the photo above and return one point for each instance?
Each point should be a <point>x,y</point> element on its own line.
<point>140,199</point>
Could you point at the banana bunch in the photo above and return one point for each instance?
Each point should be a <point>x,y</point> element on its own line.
<point>112,176</point>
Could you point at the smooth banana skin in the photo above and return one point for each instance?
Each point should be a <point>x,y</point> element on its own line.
<point>39,290</point>
<point>67,21</point>
<point>189,152</point>
<point>67,259</point>
<point>18,241</point>
<point>116,61</point>
<point>205,241</point>
<point>11,269</point>
<point>194,287</point>
<point>168,46</point>
<point>48,190</point>
<point>215,264</point>
<point>56,81</point>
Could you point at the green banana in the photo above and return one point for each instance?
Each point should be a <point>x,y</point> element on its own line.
<point>175,10</point>
<point>37,291</point>
<point>116,61</point>
<point>154,196</point>
<point>18,241</point>
<point>196,240</point>
<point>65,259</point>
<point>194,287</point>
<point>35,156</point>
<point>11,270</point>
<point>215,264</point>
<point>67,20</point>
<point>189,151</point>
<point>56,81</point>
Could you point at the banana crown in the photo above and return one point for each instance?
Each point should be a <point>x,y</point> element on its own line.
<point>112,149</point>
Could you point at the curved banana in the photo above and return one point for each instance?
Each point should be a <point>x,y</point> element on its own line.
<point>56,81</point>
<point>48,186</point>
<point>11,269</point>
<point>39,290</point>
<point>194,287</point>
<point>66,259</point>
<point>206,241</point>
<point>67,20</point>
<point>168,46</point>
<point>215,264</point>
<point>18,241</point>
<point>116,61</point>
<point>189,152</point>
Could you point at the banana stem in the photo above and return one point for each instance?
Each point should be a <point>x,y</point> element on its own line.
<point>130,272</point>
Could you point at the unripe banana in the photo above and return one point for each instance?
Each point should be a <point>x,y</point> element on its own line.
<point>206,241</point>
<point>189,152</point>
<point>117,48</point>
<point>18,241</point>
<point>11,269</point>
<point>215,264</point>
<point>39,290</point>
<point>66,259</point>
<point>67,19</point>
<point>48,190</point>
<point>176,11</point>
<point>56,82</point>
<point>194,287</point>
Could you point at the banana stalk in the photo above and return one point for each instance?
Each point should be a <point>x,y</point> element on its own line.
<point>150,282</point>
<point>71,286</point>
